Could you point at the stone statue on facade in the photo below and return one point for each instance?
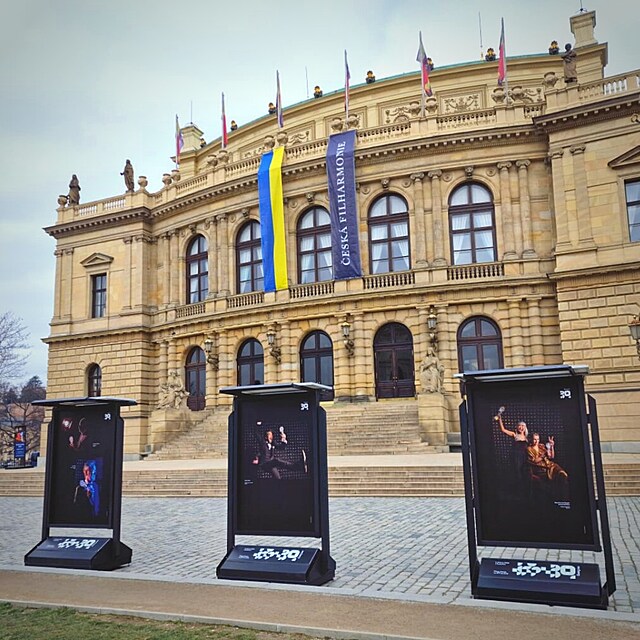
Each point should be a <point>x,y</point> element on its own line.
<point>74,191</point>
<point>127,172</point>
<point>569,57</point>
<point>173,395</point>
<point>431,373</point>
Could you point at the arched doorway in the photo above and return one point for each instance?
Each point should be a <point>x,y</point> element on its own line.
<point>316,361</point>
<point>195,374</point>
<point>395,371</point>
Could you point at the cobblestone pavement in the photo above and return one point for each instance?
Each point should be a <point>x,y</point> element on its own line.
<point>409,548</point>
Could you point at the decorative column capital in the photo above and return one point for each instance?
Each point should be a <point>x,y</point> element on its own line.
<point>435,174</point>
<point>504,166</point>
<point>417,177</point>
<point>523,164</point>
<point>577,149</point>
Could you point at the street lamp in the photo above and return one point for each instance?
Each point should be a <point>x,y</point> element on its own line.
<point>212,358</point>
<point>346,332</point>
<point>274,350</point>
<point>432,322</point>
<point>634,327</point>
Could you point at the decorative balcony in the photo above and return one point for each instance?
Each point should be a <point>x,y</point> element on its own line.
<point>476,271</point>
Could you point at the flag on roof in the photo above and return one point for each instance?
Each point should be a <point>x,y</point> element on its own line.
<point>179,141</point>
<point>225,135</point>
<point>279,101</point>
<point>347,77</point>
<point>502,63</point>
<point>424,67</point>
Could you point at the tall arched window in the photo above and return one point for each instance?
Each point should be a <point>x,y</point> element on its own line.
<point>314,246</point>
<point>197,270</point>
<point>249,259</point>
<point>250,363</point>
<point>316,360</point>
<point>479,345</point>
<point>472,225</point>
<point>94,381</point>
<point>389,235</point>
<point>195,374</point>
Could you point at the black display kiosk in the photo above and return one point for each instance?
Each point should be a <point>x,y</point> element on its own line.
<point>527,444</point>
<point>83,485</point>
<point>278,483</point>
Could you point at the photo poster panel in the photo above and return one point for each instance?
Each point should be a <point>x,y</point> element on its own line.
<point>277,466</point>
<point>533,480</point>
<point>82,476</point>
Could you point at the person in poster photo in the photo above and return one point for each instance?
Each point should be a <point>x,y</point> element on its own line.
<point>544,470</point>
<point>520,437</point>
<point>87,493</point>
<point>267,456</point>
<point>75,431</point>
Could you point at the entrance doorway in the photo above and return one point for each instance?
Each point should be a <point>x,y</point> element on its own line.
<point>393,352</point>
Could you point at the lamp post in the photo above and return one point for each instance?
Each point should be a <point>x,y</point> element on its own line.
<point>432,322</point>
<point>212,358</point>
<point>346,332</point>
<point>634,328</point>
<point>274,350</point>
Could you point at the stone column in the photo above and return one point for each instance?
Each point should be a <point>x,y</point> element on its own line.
<point>58,288</point>
<point>507,214</point>
<point>138,281</point>
<point>525,209</point>
<point>536,344</point>
<point>68,290</point>
<point>448,356</point>
<point>128,274</point>
<point>583,208</point>
<point>166,269</point>
<point>560,212</point>
<point>515,333</point>
<point>362,375</point>
<point>173,355</point>
<point>212,257</point>
<point>163,362</point>
<point>419,251</point>
<point>288,368</point>
<point>212,372</point>
<point>174,267</point>
<point>438,219</point>
<point>223,254</point>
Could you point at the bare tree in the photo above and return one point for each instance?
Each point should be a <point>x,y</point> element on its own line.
<point>13,342</point>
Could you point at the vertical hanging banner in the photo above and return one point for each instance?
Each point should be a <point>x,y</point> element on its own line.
<point>341,176</point>
<point>274,255</point>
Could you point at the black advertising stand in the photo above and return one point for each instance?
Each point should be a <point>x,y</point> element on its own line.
<point>278,484</point>
<point>83,485</point>
<point>528,479</point>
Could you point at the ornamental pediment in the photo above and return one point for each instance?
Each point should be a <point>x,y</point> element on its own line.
<point>97,260</point>
<point>627,159</point>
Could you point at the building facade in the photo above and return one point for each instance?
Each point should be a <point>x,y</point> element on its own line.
<point>499,228</point>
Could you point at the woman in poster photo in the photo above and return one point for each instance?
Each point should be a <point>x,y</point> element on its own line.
<point>520,437</point>
<point>88,490</point>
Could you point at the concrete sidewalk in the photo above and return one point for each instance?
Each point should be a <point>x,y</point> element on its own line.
<point>316,611</point>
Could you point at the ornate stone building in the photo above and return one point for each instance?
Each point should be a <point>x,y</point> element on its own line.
<point>502,228</point>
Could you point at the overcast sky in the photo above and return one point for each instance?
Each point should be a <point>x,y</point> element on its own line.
<point>87,84</point>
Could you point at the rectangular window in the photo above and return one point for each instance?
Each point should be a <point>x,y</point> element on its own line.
<point>632,193</point>
<point>99,295</point>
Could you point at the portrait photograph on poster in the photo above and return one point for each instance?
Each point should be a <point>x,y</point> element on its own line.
<point>532,469</point>
<point>276,470</point>
<point>82,474</point>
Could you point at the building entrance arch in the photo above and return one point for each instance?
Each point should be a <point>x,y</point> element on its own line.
<point>394,367</point>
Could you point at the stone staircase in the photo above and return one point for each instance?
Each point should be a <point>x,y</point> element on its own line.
<point>344,481</point>
<point>371,428</point>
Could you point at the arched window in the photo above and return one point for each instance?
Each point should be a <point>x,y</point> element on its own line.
<point>250,363</point>
<point>195,374</point>
<point>395,369</point>
<point>389,235</point>
<point>472,225</point>
<point>316,360</point>
<point>479,345</point>
<point>94,381</point>
<point>249,259</point>
<point>197,270</point>
<point>314,246</point>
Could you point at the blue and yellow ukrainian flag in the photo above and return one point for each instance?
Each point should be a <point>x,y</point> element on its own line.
<point>274,255</point>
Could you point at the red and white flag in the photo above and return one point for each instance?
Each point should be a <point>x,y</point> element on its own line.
<point>424,67</point>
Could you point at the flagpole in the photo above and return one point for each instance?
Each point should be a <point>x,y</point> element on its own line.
<point>506,75</point>
<point>480,30</point>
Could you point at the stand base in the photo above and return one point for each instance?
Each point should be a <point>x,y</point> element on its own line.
<point>78,553</point>
<point>569,584</point>
<point>293,565</point>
